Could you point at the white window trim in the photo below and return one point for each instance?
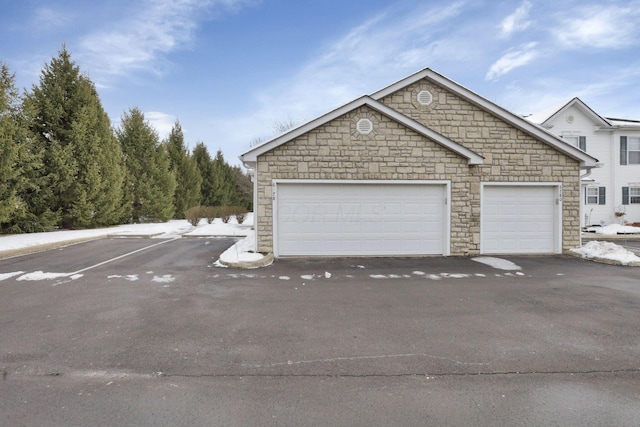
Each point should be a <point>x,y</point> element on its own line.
<point>596,195</point>
<point>636,140</point>
<point>634,196</point>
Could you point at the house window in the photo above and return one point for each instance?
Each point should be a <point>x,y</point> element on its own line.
<point>595,195</point>
<point>630,150</point>
<point>631,195</point>
<point>576,141</point>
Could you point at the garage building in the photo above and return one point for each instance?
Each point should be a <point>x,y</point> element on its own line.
<point>421,167</point>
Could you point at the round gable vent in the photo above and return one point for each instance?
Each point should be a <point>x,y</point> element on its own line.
<point>570,118</point>
<point>364,126</point>
<point>425,97</point>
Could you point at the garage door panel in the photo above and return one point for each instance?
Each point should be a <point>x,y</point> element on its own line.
<point>360,219</point>
<point>519,219</point>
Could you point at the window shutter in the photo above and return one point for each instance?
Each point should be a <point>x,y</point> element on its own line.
<point>601,195</point>
<point>625,195</point>
<point>623,150</point>
<point>583,143</point>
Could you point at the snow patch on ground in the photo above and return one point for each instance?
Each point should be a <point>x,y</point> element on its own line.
<point>40,275</point>
<point>613,229</point>
<point>499,263</point>
<point>5,276</point>
<point>129,277</point>
<point>167,278</point>
<point>606,250</point>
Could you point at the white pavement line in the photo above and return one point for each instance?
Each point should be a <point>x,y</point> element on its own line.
<point>122,256</point>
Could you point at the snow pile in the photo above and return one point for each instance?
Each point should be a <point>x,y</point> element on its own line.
<point>613,229</point>
<point>606,250</point>
<point>499,263</point>
<point>242,251</point>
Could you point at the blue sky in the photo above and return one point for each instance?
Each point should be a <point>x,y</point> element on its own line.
<point>229,69</point>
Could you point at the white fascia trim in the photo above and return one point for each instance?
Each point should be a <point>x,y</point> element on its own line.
<point>521,184</point>
<point>362,181</point>
<point>473,158</point>
<point>586,161</point>
<point>595,117</point>
<point>252,154</point>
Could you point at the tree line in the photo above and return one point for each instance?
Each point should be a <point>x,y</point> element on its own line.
<point>63,165</point>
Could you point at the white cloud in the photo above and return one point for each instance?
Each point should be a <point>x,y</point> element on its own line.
<point>48,18</point>
<point>139,41</point>
<point>513,59</point>
<point>161,122</point>
<point>517,21</point>
<point>599,26</point>
<point>365,59</point>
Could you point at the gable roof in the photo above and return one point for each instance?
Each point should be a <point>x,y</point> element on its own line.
<point>544,118</point>
<point>624,123</point>
<point>473,158</point>
<point>586,161</point>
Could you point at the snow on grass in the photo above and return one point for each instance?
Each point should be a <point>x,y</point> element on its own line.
<point>219,228</point>
<point>606,250</point>
<point>498,263</point>
<point>167,229</point>
<point>613,229</point>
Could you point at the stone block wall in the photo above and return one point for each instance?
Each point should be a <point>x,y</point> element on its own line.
<point>510,154</point>
<point>392,152</point>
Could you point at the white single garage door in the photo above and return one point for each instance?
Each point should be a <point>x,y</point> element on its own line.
<point>334,219</point>
<point>519,219</point>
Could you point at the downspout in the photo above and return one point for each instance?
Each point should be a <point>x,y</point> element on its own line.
<point>582,200</point>
<point>252,171</point>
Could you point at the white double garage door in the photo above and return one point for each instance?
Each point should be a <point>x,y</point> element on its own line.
<point>378,218</point>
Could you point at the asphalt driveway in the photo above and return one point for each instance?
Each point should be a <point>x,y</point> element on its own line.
<point>431,341</point>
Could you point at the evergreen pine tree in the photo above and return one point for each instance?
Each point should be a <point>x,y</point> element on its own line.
<point>188,179</point>
<point>205,166</point>
<point>224,184</point>
<point>19,163</point>
<point>149,184</point>
<point>82,162</point>
<point>244,187</point>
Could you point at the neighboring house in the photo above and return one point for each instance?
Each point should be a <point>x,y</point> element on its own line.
<point>614,187</point>
<point>421,167</point>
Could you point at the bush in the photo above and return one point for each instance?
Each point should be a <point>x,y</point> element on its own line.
<point>211,213</point>
<point>225,213</point>
<point>194,214</point>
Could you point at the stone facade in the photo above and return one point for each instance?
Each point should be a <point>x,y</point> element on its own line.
<point>337,151</point>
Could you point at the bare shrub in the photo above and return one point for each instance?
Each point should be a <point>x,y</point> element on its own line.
<point>194,214</point>
<point>225,213</point>
<point>240,215</point>
<point>211,213</point>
